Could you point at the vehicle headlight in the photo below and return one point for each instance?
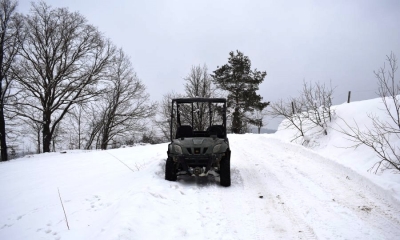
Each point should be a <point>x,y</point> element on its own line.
<point>216,148</point>
<point>178,149</point>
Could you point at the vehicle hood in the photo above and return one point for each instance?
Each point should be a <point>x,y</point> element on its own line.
<point>198,142</point>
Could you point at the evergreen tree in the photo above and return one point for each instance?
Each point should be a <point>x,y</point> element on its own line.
<point>241,83</point>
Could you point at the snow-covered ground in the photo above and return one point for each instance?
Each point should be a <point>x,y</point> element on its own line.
<point>337,146</point>
<point>280,190</point>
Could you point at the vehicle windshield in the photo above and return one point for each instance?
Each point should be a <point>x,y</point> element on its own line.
<point>200,117</point>
<point>205,118</point>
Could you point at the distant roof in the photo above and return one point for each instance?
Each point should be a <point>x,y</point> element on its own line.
<point>190,100</point>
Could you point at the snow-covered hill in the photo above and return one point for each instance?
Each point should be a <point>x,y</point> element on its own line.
<point>279,190</point>
<point>337,146</point>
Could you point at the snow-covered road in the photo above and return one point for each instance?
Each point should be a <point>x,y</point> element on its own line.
<point>307,196</point>
<point>279,191</point>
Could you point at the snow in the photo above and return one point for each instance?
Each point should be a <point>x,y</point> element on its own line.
<point>339,148</point>
<point>280,190</point>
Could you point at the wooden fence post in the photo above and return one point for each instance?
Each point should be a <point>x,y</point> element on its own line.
<point>348,97</point>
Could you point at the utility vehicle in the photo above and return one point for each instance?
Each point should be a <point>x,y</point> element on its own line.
<point>199,143</point>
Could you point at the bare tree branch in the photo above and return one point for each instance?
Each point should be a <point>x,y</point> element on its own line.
<point>384,136</point>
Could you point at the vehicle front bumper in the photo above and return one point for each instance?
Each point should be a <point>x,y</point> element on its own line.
<point>201,160</point>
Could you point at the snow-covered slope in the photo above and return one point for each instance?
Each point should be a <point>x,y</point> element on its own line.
<point>337,146</point>
<point>279,191</point>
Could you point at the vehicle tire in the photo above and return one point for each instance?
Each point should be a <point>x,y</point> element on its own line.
<point>225,172</point>
<point>170,170</point>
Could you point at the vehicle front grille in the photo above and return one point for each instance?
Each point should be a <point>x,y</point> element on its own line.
<point>196,150</point>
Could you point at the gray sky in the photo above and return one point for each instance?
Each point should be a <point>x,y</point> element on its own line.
<point>339,41</point>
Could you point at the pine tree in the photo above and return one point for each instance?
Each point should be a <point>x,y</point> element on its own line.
<point>241,83</point>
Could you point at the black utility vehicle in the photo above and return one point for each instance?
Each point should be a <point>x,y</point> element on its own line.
<point>199,144</point>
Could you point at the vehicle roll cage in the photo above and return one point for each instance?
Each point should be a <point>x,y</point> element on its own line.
<point>179,101</point>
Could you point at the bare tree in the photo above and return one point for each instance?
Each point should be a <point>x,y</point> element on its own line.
<point>257,119</point>
<point>198,83</point>
<point>317,102</point>
<point>309,114</point>
<point>10,26</point>
<point>151,137</point>
<point>36,130</point>
<point>291,110</point>
<point>61,62</point>
<point>33,130</point>
<point>383,138</point>
<point>127,105</point>
<point>76,126</point>
<point>59,137</point>
<point>94,125</point>
<point>163,121</point>
<point>389,88</point>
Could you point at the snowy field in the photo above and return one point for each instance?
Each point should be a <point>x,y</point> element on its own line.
<point>280,190</point>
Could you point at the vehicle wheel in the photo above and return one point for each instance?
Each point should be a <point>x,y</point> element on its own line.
<point>225,172</point>
<point>170,170</point>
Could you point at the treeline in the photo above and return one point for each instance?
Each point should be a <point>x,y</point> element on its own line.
<point>63,84</point>
<point>62,80</point>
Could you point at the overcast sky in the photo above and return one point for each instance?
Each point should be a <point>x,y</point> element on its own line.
<point>338,41</point>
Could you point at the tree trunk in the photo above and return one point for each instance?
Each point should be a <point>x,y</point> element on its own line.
<point>38,141</point>
<point>4,156</point>
<point>79,133</point>
<point>103,146</point>
<point>236,123</point>
<point>46,133</point>
<point>104,141</point>
<point>46,139</point>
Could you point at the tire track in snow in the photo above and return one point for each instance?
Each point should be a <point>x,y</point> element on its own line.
<point>269,216</point>
<point>359,196</point>
<point>209,209</point>
<point>334,194</point>
<point>275,207</point>
<point>239,212</point>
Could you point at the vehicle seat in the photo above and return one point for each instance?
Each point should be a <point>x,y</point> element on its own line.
<point>184,131</point>
<point>216,130</point>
